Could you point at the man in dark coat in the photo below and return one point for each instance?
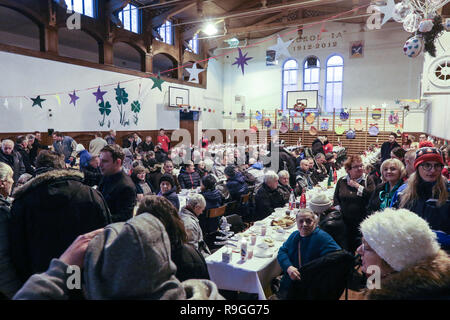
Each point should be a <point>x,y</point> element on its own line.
<point>387,147</point>
<point>116,186</point>
<point>267,197</point>
<point>34,140</point>
<point>188,177</point>
<point>12,158</point>
<point>21,147</point>
<point>146,146</point>
<point>317,146</point>
<point>287,162</point>
<point>49,212</point>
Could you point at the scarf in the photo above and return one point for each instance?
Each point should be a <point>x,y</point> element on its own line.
<point>386,195</point>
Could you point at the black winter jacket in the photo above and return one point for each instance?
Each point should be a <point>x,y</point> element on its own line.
<point>14,160</point>
<point>119,192</point>
<point>266,201</point>
<point>190,263</point>
<point>189,180</point>
<point>48,213</point>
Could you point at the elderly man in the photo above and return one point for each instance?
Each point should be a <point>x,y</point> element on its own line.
<point>303,179</point>
<point>320,171</point>
<point>111,138</point>
<point>267,197</point>
<point>34,144</point>
<point>22,148</point>
<point>146,146</point>
<point>189,214</point>
<point>12,158</point>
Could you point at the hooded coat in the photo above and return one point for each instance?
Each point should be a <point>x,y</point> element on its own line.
<point>427,280</point>
<point>172,196</point>
<point>48,213</point>
<point>189,180</point>
<point>128,260</point>
<point>237,187</point>
<point>213,199</point>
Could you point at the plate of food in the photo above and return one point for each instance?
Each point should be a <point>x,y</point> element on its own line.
<point>286,222</point>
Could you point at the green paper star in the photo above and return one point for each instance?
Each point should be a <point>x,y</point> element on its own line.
<point>37,101</point>
<point>157,82</point>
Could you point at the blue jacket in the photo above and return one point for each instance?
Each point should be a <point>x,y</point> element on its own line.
<point>85,157</point>
<point>236,186</point>
<point>316,245</point>
<point>213,200</point>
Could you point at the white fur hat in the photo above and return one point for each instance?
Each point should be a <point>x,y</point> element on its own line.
<point>320,203</point>
<point>400,237</point>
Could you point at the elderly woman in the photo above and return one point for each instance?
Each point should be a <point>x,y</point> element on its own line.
<point>195,205</point>
<point>283,185</point>
<point>190,263</point>
<point>168,190</point>
<point>351,197</point>
<point>427,193</point>
<point>9,281</point>
<point>143,185</point>
<point>309,242</point>
<point>401,249</point>
<point>267,197</point>
<point>392,173</point>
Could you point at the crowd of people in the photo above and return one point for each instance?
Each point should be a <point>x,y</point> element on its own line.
<point>112,209</point>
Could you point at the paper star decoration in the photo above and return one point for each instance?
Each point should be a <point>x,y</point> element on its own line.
<point>99,95</point>
<point>387,10</point>
<point>73,98</point>
<point>193,73</point>
<point>241,60</point>
<point>37,101</point>
<point>58,99</point>
<point>157,82</point>
<point>281,48</point>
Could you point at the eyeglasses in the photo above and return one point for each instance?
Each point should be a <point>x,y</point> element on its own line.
<point>427,166</point>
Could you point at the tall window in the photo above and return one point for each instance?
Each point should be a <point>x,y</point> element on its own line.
<point>193,43</point>
<point>334,79</point>
<point>130,18</point>
<point>311,73</point>
<point>290,77</point>
<point>85,7</point>
<point>166,32</point>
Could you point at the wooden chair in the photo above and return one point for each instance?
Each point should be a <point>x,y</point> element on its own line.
<point>231,207</point>
<point>245,198</point>
<point>216,212</point>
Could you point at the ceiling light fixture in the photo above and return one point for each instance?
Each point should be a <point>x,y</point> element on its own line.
<point>210,29</point>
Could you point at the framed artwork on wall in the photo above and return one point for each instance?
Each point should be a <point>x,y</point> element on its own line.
<point>357,49</point>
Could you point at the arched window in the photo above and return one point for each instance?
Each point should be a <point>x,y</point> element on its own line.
<point>130,18</point>
<point>86,7</point>
<point>334,80</point>
<point>311,73</point>
<point>290,77</point>
<point>166,32</point>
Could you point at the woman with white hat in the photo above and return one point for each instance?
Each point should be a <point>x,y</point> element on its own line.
<point>400,251</point>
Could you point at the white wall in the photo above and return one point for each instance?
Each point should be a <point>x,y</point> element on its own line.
<point>438,114</point>
<point>28,77</point>
<point>383,75</point>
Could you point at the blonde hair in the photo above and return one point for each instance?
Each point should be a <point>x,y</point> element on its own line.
<point>283,173</point>
<point>5,171</point>
<point>410,195</point>
<point>397,164</point>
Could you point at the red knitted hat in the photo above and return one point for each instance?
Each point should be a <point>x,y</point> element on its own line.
<point>428,154</point>
<point>424,144</point>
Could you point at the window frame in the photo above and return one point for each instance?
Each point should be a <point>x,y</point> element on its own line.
<point>333,82</point>
<point>304,73</point>
<point>94,8</point>
<point>172,40</point>
<point>283,69</point>
<point>121,16</point>
<point>194,45</point>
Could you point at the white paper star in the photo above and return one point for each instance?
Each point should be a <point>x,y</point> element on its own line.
<point>193,73</point>
<point>387,10</point>
<point>281,48</point>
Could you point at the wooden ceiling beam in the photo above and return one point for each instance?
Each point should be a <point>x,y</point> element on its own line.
<point>160,19</point>
<point>289,24</point>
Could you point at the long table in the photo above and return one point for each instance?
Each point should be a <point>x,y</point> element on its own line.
<point>254,275</point>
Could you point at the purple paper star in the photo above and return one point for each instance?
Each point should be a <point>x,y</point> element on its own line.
<point>99,94</point>
<point>242,60</point>
<point>73,98</point>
